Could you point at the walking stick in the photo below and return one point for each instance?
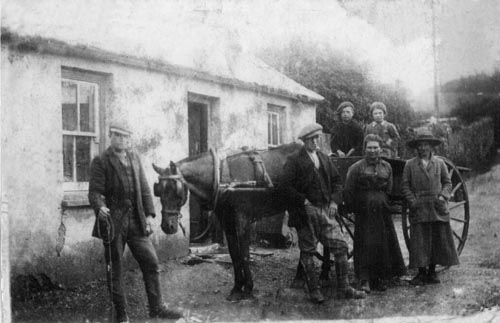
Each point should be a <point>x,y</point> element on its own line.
<point>110,233</point>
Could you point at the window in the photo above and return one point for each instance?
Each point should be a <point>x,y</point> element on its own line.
<point>80,110</point>
<point>275,125</point>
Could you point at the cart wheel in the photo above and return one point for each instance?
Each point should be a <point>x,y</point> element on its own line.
<point>458,206</point>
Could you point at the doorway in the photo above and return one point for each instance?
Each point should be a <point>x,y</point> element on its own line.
<point>198,112</point>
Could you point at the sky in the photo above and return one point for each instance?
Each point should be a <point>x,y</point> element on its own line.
<point>467,31</point>
<point>393,36</point>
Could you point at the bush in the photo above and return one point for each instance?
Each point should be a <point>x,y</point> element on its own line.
<point>465,145</point>
<point>473,145</point>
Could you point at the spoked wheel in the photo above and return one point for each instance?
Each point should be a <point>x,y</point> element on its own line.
<point>458,206</point>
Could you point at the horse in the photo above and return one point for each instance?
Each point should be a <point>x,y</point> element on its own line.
<point>240,189</point>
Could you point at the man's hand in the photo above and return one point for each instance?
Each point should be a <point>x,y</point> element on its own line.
<point>332,210</point>
<point>149,225</point>
<point>340,153</point>
<point>103,213</point>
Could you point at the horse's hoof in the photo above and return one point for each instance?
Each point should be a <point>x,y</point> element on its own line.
<point>235,296</point>
<point>249,296</point>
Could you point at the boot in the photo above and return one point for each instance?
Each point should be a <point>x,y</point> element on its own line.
<point>378,284</point>
<point>312,281</point>
<point>421,278</point>
<point>122,317</point>
<point>344,289</point>
<point>156,307</point>
<point>316,296</point>
<point>164,313</point>
<point>432,277</point>
<point>365,286</point>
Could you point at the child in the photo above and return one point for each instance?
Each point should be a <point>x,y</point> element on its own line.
<point>347,135</point>
<point>384,129</point>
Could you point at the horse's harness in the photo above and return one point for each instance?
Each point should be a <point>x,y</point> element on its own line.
<point>221,173</point>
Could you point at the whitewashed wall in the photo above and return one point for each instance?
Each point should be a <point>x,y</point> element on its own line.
<point>154,103</point>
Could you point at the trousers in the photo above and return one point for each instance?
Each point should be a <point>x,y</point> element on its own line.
<point>321,227</point>
<point>144,253</point>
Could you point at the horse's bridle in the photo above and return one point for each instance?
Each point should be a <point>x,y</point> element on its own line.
<point>172,212</point>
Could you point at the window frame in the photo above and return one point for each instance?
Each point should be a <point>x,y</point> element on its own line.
<point>98,81</point>
<point>277,112</point>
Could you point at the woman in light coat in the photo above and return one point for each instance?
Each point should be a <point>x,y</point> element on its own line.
<point>426,186</point>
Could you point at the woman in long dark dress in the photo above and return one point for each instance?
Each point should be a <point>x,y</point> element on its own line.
<point>377,255</point>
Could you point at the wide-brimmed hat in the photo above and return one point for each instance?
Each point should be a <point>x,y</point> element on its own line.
<point>423,136</point>
<point>310,130</point>
<point>344,105</point>
<point>120,127</point>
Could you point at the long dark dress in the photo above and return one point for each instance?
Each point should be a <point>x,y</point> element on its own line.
<point>377,254</point>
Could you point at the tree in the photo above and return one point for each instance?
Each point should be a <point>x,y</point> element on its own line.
<point>337,77</point>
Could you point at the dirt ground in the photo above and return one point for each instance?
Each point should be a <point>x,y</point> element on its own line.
<point>200,289</point>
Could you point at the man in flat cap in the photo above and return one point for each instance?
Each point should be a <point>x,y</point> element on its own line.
<point>122,201</point>
<point>311,186</point>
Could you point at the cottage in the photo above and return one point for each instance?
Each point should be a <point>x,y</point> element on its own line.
<point>58,98</point>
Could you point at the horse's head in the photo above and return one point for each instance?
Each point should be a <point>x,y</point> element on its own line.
<point>173,195</point>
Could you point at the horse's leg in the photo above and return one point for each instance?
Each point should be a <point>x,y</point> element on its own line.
<point>245,234</point>
<point>326,265</point>
<point>230,225</point>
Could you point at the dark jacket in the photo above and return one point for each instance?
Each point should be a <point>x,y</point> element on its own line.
<point>301,180</point>
<point>346,136</point>
<point>106,188</point>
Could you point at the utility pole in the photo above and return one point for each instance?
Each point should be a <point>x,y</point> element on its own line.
<point>435,58</point>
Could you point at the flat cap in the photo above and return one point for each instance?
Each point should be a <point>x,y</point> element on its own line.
<point>310,130</point>
<point>120,127</point>
<point>343,105</point>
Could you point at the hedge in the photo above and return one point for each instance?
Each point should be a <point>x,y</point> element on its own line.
<point>469,146</point>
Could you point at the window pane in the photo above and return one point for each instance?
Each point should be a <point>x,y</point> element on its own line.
<point>69,111</point>
<point>68,158</point>
<point>82,158</point>
<point>280,128</point>
<point>269,130</point>
<point>87,109</point>
<point>274,119</point>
